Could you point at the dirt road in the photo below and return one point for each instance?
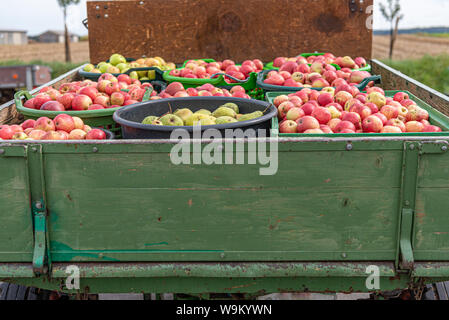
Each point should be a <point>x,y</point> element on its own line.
<point>409,46</point>
<point>45,52</point>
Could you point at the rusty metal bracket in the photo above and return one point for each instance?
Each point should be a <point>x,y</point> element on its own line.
<point>41,258</point>
<point>410,164</point>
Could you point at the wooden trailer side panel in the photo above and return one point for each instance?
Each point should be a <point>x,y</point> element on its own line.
<point>240,29</point>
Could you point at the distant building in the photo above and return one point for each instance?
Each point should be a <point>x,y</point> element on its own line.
<point>13,37</point>
<point>55,36</point>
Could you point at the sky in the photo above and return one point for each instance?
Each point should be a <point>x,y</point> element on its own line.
<point>37,16</point>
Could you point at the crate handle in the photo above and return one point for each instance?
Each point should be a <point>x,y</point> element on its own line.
<point>21,94</point>
<point>362,85</point>
<point>227,75</point>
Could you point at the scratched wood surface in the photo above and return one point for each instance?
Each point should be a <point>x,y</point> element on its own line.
<point>137,206</point>
<point>220,29</point>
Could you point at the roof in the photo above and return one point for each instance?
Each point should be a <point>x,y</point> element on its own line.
<point>57,32</point>
<point>13,30</point>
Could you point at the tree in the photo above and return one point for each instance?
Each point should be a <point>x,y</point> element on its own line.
<point>393,15</point>
<point>64,4</point>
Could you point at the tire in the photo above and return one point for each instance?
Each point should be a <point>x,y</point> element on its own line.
<point>10,291</point>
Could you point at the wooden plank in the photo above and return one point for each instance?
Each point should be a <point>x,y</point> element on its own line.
<point>220,29</point>
<point>146,209</point>
<point>16,232</point>
<point>395,80</point>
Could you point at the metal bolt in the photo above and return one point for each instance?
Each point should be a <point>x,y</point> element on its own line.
<point>407,203</point>
<point>444,148</point>
<point>349,146</point>
<point>34,149</point>
<point>106,15</point>
<point>222,255</point>
<point>2,151</point>
<point>38,205</point>
<point>94,149</point>
<point>412,146</point>
<point>141,2</point>
<point>343,255</point>
<point>97,7</point>
<point>100,255</point>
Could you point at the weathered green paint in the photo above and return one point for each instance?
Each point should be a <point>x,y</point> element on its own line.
<point>127,202</point>
<point>224,270</point>
<point>222,209</point>
<point>16,228</point>
<point>222,285</point>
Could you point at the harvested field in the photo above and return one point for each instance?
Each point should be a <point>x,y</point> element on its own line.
<point>47,52</point>
<point>409,47</point>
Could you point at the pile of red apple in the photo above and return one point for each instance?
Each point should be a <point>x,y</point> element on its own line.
<point>200,69</point>
<point>177,90</point>
<point>347,110</point>
<point>343,62</point>
<point>90,95</point>
<point>62,127</point>
<point>319,74</point>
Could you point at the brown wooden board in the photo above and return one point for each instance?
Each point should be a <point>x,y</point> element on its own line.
<point>395,80</point>
<point>239,29</point>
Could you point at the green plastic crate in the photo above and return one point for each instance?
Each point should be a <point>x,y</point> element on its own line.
<point>249,84</point>
<point>94,118</point>
<point>269,65</point>
<point>269,87</point>
<point>435,118</point>
<point>158,74</point>
<point>365,68</point>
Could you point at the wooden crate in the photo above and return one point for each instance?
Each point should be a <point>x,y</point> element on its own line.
<point>220,29</point>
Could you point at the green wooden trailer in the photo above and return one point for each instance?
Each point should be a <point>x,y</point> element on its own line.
<point>131,221</point>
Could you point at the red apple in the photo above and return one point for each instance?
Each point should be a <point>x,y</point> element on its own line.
<point>45,124</point>
<point>81,102</point>
<point>64,122</point>
<point>288,126</point>
<point>372,124</point>
<point>96,134</point>
<point>323,115</point>
<point>306,123</point>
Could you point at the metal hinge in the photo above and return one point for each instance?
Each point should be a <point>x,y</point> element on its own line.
<point>41,257</point>
<point>410,164</point>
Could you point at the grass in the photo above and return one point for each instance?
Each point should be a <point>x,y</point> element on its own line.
<point>430,70</point>
<point>436,35</point>
<point>58,68</point>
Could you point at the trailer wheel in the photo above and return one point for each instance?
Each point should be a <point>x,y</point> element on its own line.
<point>11,291</point>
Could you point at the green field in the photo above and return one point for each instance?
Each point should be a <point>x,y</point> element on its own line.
<point>58,68</point>
<point>430,70</point>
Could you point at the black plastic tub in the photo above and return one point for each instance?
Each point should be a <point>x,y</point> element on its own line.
<point>130,117</point>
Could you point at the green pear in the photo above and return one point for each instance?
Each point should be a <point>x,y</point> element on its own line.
<point>232,105</point>
<point>171,120</point>
<point>195,118</point>
<point>122,67</point>
<point>116,58</point>
<point>104,67</point>
<point>250,116</point>
<point>89,67</point>
<point>225,119</point>
<point>204,111</point>
<point>208,121</point>
<point>183,113</point>
<point>133,75</point>
<point>224,111</point>
<point>149,119</point>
